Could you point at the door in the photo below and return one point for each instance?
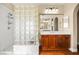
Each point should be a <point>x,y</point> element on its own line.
<point>63,41</point>
<point>60,42</point>
<point>51,42</point>
<point>44,42</point>
<point>67,41</point>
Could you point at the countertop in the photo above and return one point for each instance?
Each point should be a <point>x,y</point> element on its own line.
<point>55,32</point>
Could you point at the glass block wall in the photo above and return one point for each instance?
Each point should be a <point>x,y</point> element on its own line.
<point>26,24</point>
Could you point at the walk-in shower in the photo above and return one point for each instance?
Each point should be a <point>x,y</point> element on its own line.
<point>19,33</point>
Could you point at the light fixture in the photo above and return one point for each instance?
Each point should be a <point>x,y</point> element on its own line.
<point>53,10</point>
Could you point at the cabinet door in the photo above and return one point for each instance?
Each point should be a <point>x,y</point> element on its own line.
<point>51,41</point>
<point>67,41</point>
<point>63,41</point>
<point>44,42</point>
<point>60,41</point>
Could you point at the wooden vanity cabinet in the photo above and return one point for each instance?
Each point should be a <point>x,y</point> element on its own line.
<point>55,42</point>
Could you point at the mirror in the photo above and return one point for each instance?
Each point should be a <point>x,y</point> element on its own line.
<point>51,22</point>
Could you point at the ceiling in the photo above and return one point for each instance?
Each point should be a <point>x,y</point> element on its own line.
<point>40,4</point>
<point>43,5</point>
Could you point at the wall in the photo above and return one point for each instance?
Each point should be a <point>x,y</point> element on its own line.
<point>75,22</point>
<point>42,8</point>
<point>6,36</point>
<point>68,11</point>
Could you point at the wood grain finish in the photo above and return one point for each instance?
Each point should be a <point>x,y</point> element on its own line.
<point>51,41</point>
<point>44,42</point>
<point>55,42</point>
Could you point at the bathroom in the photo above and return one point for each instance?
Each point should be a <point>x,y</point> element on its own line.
<point>25,24</point>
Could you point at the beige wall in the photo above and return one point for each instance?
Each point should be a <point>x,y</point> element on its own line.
<point>43,7</point>
<point>68,11</point>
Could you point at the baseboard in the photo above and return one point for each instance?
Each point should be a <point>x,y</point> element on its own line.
<point>73,49</point>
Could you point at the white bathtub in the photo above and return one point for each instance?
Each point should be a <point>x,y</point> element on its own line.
<point>26,49</point>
